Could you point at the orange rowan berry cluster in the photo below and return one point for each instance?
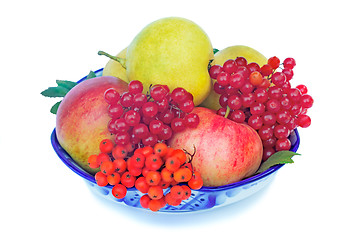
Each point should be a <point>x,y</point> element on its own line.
<point>150,170</point>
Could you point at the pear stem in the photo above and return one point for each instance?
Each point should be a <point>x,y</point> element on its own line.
<point>227,112</point>
<point>120,60</point>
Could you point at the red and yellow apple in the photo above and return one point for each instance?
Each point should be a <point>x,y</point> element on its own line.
<point>226,151</point>
<point>82,119</point>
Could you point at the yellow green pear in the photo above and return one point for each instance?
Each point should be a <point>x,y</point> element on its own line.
<point>172,51</point>
<point>232,52</point>
<point>114,68</point>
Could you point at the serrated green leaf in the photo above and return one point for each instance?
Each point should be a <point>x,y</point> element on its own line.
<point>55,107</point>
<point>58,91</point>
<point>66,84</point>
<point>91,75</point>
<point>281,157</point>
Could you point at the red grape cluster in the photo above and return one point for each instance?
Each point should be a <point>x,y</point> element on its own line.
<point>145,119</point>
<point>263,98</point>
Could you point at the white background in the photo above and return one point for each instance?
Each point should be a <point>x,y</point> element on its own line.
<point>317,197</point>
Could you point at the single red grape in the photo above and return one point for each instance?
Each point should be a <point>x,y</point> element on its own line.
<point>149,109</point>
<point>234,101</point>
<point>289,63</point>
<point>230,66</point>
<point>241,61</point>
<point>274,62</point>
<point>215,70</point>
<point>127,99</point>
<point>192,120</point>
<point>237,116</point>
<point>111,96</point>
<point>135,86</point>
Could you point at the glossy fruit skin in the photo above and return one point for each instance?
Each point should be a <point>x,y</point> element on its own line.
<point>226,151</point>
<point>119,191</point>
<point>82,119</point>
<point>168,48</point>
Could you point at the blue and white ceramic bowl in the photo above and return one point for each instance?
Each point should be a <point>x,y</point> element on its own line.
<point>203,199</point>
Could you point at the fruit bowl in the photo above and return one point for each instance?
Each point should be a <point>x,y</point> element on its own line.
<point>204,199</point>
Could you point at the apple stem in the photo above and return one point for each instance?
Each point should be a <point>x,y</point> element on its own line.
<point>120,60</point>
<point>191,155</point>
<point>227,112</point>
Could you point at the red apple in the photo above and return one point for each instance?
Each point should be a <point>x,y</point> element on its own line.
<point>82,119</point>
<point>226,151</point>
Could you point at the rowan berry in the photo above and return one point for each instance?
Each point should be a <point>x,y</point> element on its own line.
<point>187,192</point>
<point>256,78</point>
<point>177,192</point>
<point>107,167</point>
<point>153,178</point>
<point>182,174</point>
<point>119,152</point>
<point>160,149</point>
<point>113,178</point>
<point>196,181</point>
<point>138,160</point>
<point>135,171</point>
<point>101,179</point>
<point>127,179</point>
<point>145,171</point>
<point>147,150</point>
<point>156,204</point>
<point>106,146</point>
<point>120,165</point>
<point>180,154</point>
<point>172,163</point>
<point>142,185</point>
<point>172,201</point>
<point>92,161</point>
<point>153,162</point>
<point>144,201</point>
<point>155,192</point>
<point>169,152</point>
<point>102,157</point>
<point>166,175</point>
<point>164,185</point>
<point>119,191</point>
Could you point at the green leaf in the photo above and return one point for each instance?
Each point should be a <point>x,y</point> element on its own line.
<point>66,84</point>
<point>63,87</point>
<point>58,91</point>
<point>91,75</point>
<point>281,157</point>
<point>215,50</point>
<point>55,107</point>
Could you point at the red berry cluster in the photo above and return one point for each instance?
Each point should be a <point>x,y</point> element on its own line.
<point>146,119</point>
<point>263,98</point>
<point>150,170</point>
